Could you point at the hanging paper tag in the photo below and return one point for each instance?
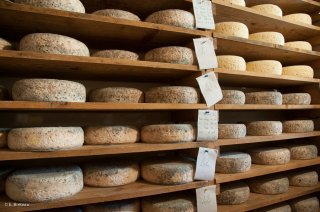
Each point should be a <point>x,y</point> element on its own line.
<point>207,125</point>
<point>203,14</point>
<point>210,88</point>
<point>206,164</point>
<point>206,199</point>
<point>205,53</point>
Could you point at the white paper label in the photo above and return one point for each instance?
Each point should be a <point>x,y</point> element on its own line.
<point>203,14</point>
<point>206,164</point>
<point>206,199</point>
<point>205,53</point>
<point>210,88</point>
<point>207,125</point>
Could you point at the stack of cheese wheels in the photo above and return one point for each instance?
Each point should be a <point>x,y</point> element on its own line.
<point>302,151</point>
<point>264,97</point>
<point>270,184</point>
<point>236,2</point>
<point>299,71</point>
<point>116,95</point>
<point>168,133</point>
<point>233,97</point>
<point>171,54</point>
<point>168,171</point>
<point>306,203</point>
<point>67,5</point>
<point>268,37</point>
<point>44,184</point>
<point>299,45</point>
<point>172,94</point>
<point>298,126</point>
<point>4,93</point>
<point>233,162</point>
<point>270,155</point>
<point>45,138</point>
<point>265,66</point>
<point>303,178</point>
<point>117,14</point>
<point>53,44</point>
<point>227,131</point>
<point>48,90</point>
<point>236,29</point>
<point>110,173</point>
<point>173,17</point>
<point>281,207</point>
<point>5,45</point>
<point>132,205</point>
<point>231,62</point>
<point>269,9</point>
<point>4,172</point>
<point>298,17</point>
<point>3,137</point>
<point>233,193</point>
<point>296,99</point>
<point>118,54</point>
<point>264,128</point>
<point>99,135</point>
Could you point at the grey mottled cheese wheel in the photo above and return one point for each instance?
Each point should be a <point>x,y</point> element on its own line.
<point>4,93</point>
<point>117,14</point>
<point>53,44</point>
<point>266,97</point>
<point>303,178</point>
<point>230,28</point>
<point>174,17</point>
<point>298,71</point>
<point>45,138</point>
<point>110,173</point>
<point>265,66</point>
<point>4,172</point>
<point>172,94</point>
<point>268,37</point>
<point>233,97</point>
<point>116,95</point>
<point>67,5</point>
<point>233,193</point>
<point>168,171</point>
<point>233,162</point>
<point>231,131</point>
<point>168,133</point>
<point>270,9</point>
<point>3,138</point>
<point>298,17</point>
<point>5,45</point>
<point>296,99</point>
<point>115,53</point>
<point>264,128</point>
<point>44,184</point>
<point>231,62</point>
<point>298,126</point>
<point>271,184</point>
<point>132,205</point>
<point>270,155</point>
<point>48,90</point>
<point>302,151</point>
<point>236,2</point>
<point>281,207</point>
<point>305,204</point>
<point>171,54</point>
<point>111,135</point>
<point>299,45</point>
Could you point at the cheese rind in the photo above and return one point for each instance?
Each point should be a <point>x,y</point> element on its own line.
<point>268,37</point>
<point>233,97</point>
<point>233,193</point>
<point>118,54</point>
<point>264,128</point>
<point>114,13</point>
<point>299,45</point>
<point>266,97</point>
<point>296,99</point>
<point>298,126</point>
<point>236,2</point>
<point>172,94</point>
<point>303,178</point>
<point>298,71</point>
<point>306,203</point>
<point>298,17</point>
<point>231,62</point>
<point>270,185</point>
<point>116,95</point>
<point>132,205</point>
<point>265,66</point>
<point>270,9</point>
<point>302,151</point>
<point>231,131</point>
<point>233,162</point>
<point>5,45</point>
<point>236,29</point>
<point>67,5</point>
<point>270,155</point>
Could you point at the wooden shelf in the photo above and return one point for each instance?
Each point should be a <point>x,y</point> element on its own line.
<point>225,107</point>
<point>260,200</point>
<point>259,170</point>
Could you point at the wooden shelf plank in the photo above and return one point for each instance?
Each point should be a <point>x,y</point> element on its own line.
<point>265,107</point>
<point>260,200</point>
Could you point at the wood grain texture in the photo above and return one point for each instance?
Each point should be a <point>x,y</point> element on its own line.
<point>265,107</point>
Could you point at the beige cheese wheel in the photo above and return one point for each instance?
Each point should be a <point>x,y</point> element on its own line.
<point>298,17</point>
<point>172,94</point>
<point>100,135</point>
<point>118,54</point>
<point>265,66</point>
<point>265,97</point>
<point>233,97</point>
<point>230,28</point>
<point>48,90</point>
<point>168,133</point>
<point>5,45</point>
<point>67,5</point>
<point>132,205</point>
<point>298,71</point>
<point>110,173</point>
<point>165,171</point>
<point>305,204</point>
<point>298,126</point>
<point>173,17</point>
<point>236,2</point>
<point>233,162</point>
<point>303,178</point>
<point>4,172</point>
<point>268,37</point>
<point>264,128</point>
<point>299,45</point>
<point>116,95</point>
<point>270,155</point>
<point>269,9</point>
<point>45,138</point>
<point>114,13</point>
<point>302,151</point>
<point>44,184</point>
<point>171,54</point>
<point>296,99</point>
<point>281,207</point>
<point>3,138</point>
<point>53,44</point>
<point>4,93</point>
<point>231,62</point>
<point>227,131</point>
<point>270,185</point>
<point>233,193</point>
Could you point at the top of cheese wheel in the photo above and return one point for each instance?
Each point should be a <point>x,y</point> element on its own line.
<point>268,37</point>
<point>299,45</point>
<point>236,2</point>
<point>114,13</point>
<point>270,9</point>
<point>299,17</point>
<point>67,5</point>
<point>230,28</point>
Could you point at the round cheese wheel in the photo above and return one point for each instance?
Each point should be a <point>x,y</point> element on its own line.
<point>233,162</point>
<point>168,171</point>
<point>302,151</point>
<point>172,94</point>
<point>305,204</point>
<point>45,138</point>
<point>5,45</point>
<point>173,17</point>
<point>271,184</point>
<point>171,54</point>
<point>269,9</point>
<point>298,17</point>
<point>266,97</point>
<point>236,29</point>
<point>298,71</point>
<point>53,44</point>
<point>100,135</point>
<point>296,99</point>
<point>265,66</point>
<point>110,173</point>
<point>233,193</point>
<point>299,45</point>
<point>303,178</point>
<point>4,93</point>
<point>48,90</point>
<point>298,126</point>
<point>236,2</point>
<point>115,53</point>
<point>268,37</point>
<point>3,138</point>
<point>4,172</point>
<point>44,184</point>
<point>231,62</point>
<point>132,205</point>
<point>227,131</point>
<point>281,207</point>
<point>116,95</point>
<point>270,156</point>
<point>117,14</point>
<point>67,5</point>
<point>264,128</point>
<point>233,97</point>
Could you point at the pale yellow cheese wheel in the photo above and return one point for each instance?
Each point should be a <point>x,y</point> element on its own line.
<point>270,184</point>
<point>298,71</point>
<point>269,9</point>
<point>265,66</point>
<point>268,37</point>
<point>233,193</point>
<point>270,155</point>
<point>67,5</point>
<point>114,13</point>
<point>299,45</point>
<point>132,205</point>
<point>298,17</point>
<point>231,62</point>
<point>236,29</point>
